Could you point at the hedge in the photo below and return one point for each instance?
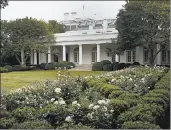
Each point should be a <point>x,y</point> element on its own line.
<point>3,70</point>
<point>98,66</point>
<point>9,68</point>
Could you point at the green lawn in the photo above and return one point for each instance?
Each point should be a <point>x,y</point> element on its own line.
<point>13,80</point>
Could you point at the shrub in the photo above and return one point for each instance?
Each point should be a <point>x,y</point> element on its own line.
<point>121,66</point>
<point>20,68</point>
<point>115,66</point>
<point>9,68</point>
<point>139,125</point>
<point>42,65</point>
<point>71,64</point>
<point>23,114</point>
<point>72,126</point>
<point>116,93</point>
<point>48,66</point>
<point>63,64</point>
<point>105,62</point>
<point>32,125</point>
<point>6,123</point>
<point>97,66</point>
<point>136,63</point>
<point>127,64</point>
<point>3,70</point>
<point>108,67</point>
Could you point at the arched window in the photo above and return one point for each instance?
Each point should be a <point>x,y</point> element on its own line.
<point>76,55</point>
<point>94,54</point>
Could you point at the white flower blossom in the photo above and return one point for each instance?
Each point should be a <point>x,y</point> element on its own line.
<point>90,115</point>
<point>111,111</point>
<point>101,102</point>
<point>74,103</point>
<point>104,109</point>
<point>53,99</point>
<point>96,107</point>
<point>68,119</point>
<point>56,102</point>
<point>91,106</point>
<point>57,90</point>
<point>62,102</point>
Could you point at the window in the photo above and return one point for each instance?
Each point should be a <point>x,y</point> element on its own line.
<point>67,28</point>
<point>145,55</point>
<point>113,58</point>
<point>76,55</point>
<point>131,56</point>
<point>46,58</point>
<point>94,54</point>
<point>55,58</point>
<point>73,27</point>
<point>166,56</point>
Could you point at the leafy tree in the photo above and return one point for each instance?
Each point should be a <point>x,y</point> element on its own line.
<point>3,3</point>
<point>26,34</point>
<point>56,27</point>
<point>143,23</point>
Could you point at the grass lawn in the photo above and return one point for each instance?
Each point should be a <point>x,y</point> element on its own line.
<point>14,80</point>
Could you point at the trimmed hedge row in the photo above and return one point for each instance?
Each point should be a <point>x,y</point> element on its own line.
<point>106,65</point>
<point>58,65</point>
<point>152,108</point>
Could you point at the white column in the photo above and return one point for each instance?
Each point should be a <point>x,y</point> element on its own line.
<point>158,57</point>
<point>98,52</point>
<point>64,53</point>
<point>80,55</point>
<point>49,54</point>
<point>22,56</point>
<point>35,57</point>
<point>31,57</point>
<point>116,58</point>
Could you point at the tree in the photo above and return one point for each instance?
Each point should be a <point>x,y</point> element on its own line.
<point>56,27</point>
<point>3,3</point>
<point>26,34</point>
<point>143,23</point>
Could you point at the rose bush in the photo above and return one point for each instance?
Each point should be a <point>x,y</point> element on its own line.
<point>108,101</point>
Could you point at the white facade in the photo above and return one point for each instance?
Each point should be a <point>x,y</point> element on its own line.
<point>86,41</point>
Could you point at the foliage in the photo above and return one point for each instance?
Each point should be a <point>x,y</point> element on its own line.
<point>97,66</point>
<point>115,66</point>
<point>56,27</point>
<point>3,3</point>
<point>121,66</point>
<point>142,23</point>
<point>3,70</point>
<point>71,64</point>
<point>48,66</point>
<point>108,67</point>
<point>105,62</point>
<point>136,63</point>
<point>42,65</point>
<point>9,68</point>
<point>20,68</point>
<point>23,35</point>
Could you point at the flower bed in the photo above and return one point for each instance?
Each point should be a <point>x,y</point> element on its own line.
<point>103,101</point>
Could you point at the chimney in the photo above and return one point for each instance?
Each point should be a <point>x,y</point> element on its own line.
<point>66,16</point>
<point>73,15</point>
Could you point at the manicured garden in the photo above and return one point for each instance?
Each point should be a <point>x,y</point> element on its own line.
<point>133,98</point>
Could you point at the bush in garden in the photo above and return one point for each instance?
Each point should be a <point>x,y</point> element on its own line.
<point>121,66</point>
<point>20,68</point>
<point>35,124</point>
<point>72,126</point>
<point>97,66</point>
<point>23,114</point>
<point>3,70</point>
<point>63,64</point>
<point>6,123</point>
<point>115,66</point>
<point>136,63</point>
<point>71,64</point>
<point>116,93</point>
<point>108,67</point>
<point>139,125</point>
<point>9,68</point>
<point>127,65</point>
<point>105,62</point>
<point>48,66</point>
<point>42,65</point>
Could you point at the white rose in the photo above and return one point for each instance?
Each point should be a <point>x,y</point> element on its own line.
<point>111,111</point>
<point>104,108</point>
<point>91,105</point>
<point>62,102</point>
<point>53,99</point>
<point>78,105</point>
<point>96,107</point>
<point>74,103</point>
<point>101,102</point>
<point>68,119</point>
<point>56,102</point>
<point>89,115</point>
<point>57,90</point>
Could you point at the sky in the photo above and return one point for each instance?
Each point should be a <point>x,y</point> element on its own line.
<point>54,10</point>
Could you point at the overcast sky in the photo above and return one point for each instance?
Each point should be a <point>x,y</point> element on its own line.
<point>55,10</point>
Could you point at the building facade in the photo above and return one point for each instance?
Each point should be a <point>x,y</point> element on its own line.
<point>86,41</point>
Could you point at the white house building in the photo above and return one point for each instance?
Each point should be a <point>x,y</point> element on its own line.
<point>86,40</point>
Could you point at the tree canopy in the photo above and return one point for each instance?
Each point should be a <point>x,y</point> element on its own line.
<point>3,3</point>
<point>22,35</point>
<point>56,27</point>
<point>143,23</point>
